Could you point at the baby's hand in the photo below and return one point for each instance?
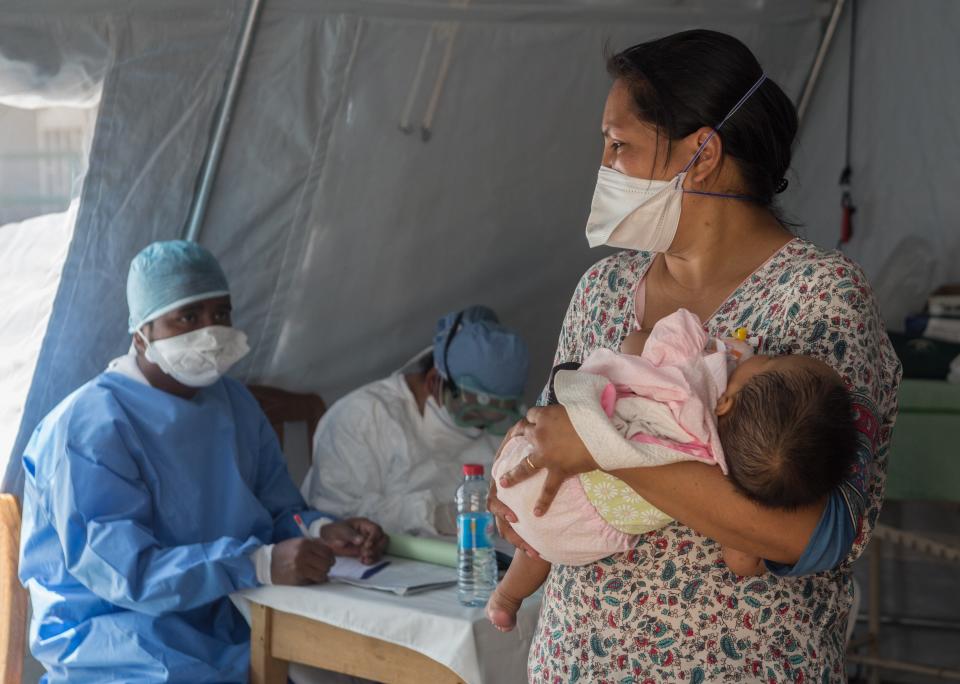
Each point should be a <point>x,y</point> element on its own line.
<point>743,564</point>
<point>634,342</point>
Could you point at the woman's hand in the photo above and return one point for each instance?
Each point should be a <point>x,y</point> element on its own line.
<point>502,514</point>
<point>504,518</point>
<point>557,448</point>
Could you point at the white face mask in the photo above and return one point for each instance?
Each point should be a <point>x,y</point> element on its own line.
<point>200,357</point>
<point>635,213</point>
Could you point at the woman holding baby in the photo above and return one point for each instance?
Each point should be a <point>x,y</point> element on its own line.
<point>697,141</point>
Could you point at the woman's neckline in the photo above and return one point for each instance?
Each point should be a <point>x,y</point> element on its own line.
<point>639,292</point>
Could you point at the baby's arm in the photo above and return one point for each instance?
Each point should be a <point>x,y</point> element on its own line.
<point>743,564</point>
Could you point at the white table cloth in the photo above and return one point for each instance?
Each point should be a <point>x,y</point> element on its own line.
<point>432,623</point>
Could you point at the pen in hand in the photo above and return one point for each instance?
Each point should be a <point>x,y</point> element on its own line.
<point>303,528</point>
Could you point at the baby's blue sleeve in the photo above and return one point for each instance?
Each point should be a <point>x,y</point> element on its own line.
<point>830,542</point>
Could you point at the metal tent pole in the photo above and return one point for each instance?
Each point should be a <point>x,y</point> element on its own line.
<point>818,61</point>
<point>208,173</point>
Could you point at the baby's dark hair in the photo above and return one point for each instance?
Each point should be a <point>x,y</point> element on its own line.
<point>789,439</point>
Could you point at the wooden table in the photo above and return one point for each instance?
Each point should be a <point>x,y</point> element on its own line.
<point>424,637</point>
<point>280,638</point>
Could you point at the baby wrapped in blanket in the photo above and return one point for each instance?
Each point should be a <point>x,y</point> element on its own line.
<point>781,428</point>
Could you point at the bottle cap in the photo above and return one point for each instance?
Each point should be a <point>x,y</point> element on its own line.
<point>472,469</point>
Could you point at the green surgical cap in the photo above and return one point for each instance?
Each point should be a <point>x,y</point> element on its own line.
<point>168,275</point>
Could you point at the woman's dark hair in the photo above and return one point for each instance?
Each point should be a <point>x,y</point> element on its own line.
<point>692,79</point>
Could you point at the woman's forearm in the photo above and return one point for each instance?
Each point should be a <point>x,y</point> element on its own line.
<point>700,497</point>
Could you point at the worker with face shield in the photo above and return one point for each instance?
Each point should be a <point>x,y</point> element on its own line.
<point>157,489</point>
<point>394,449</point>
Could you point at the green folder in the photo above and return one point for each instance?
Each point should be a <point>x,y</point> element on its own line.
<point>436,551</point>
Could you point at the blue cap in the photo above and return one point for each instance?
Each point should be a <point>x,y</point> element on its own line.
<point>472,344</point>
<point>167,275</point>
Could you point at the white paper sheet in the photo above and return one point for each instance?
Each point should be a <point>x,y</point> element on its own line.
<point>352,569</point>
<point>400,576</point>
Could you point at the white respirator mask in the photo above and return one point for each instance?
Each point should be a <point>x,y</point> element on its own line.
<point>198,358</point>
<point>642,214</point>
<point>634,213</point>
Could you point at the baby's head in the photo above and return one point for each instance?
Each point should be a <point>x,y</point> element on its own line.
<point>787,429</point>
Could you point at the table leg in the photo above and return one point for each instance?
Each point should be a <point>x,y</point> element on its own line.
<point>264,668</point>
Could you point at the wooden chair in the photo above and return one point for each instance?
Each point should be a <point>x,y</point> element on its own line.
<point>13,597</point>
<point>281,407</point>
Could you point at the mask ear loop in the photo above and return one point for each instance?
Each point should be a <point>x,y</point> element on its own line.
<point>146,342</point>
<point>454,328</point>
<point>443,389</point>
<point>714,130</point>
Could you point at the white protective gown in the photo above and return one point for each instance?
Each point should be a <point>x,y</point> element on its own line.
<point>375,456</point>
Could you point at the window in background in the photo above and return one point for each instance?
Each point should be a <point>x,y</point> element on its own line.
<point>43,160</point>
<point>43,157</point>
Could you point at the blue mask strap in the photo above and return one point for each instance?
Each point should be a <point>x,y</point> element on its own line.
<point>748,198</point>
<point>746,96</point>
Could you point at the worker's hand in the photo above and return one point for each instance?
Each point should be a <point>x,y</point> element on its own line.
<point>356,537</point>
<point>301,561</point>
<point>557,448</point>
<point>375,539</point>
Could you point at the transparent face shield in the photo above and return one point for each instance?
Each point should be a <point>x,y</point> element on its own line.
<point>472,407</point>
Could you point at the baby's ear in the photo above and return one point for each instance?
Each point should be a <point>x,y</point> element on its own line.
<point>724,404</point>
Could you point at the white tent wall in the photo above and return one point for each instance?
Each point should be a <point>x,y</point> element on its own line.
<point>907,237</point>
<point>346,238</point>
<point>162,72</point>
<point>904,145</point>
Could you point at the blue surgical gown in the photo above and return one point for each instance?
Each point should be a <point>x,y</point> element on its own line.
<point>141,510</point>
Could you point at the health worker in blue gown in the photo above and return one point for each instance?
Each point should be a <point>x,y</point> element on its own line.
<point>157,489</point>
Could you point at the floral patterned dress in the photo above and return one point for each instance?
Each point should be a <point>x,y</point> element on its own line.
<point>669,610</point>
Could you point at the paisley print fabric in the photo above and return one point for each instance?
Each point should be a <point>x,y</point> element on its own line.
<point>670,610</point>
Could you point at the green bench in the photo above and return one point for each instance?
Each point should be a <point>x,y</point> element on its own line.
<point>924,465</point>
<point>925,454</point>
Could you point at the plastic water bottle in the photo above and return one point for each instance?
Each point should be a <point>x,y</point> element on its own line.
<point>476,557</point>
